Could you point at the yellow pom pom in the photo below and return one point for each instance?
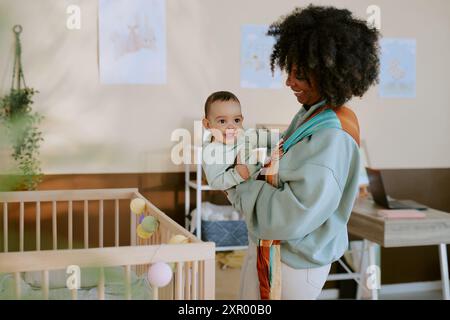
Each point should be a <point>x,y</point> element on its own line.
<point>137,205</point>
<point>178,239</point>
<point>142,234</point>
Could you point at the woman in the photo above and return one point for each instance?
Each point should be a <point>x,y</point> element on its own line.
<point>329,57</point>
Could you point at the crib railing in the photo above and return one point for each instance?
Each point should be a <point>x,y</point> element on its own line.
<point>194,262</point>
<point>195,258</point>
<point>69,197</point>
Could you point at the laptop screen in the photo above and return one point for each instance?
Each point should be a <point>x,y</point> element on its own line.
<point>376,187</point>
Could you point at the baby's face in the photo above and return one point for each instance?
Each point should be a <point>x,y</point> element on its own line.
<point>224,120</point>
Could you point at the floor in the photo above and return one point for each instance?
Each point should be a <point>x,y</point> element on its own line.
<point>227,288</point>
<point>227,283</point>
<point>426,295</point>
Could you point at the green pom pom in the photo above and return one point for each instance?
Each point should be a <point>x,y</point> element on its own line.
<point>150,224</point>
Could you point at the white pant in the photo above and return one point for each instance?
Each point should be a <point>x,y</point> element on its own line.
<point>296,284</point>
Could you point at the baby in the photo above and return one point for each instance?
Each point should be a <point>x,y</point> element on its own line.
<point>230,155</point>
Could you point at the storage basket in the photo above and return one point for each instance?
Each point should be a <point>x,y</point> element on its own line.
<point>225,233</point>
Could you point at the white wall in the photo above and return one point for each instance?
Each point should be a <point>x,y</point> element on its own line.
<point>91,127</point>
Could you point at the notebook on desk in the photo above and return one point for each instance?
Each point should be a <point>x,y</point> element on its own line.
<point>401,214</point>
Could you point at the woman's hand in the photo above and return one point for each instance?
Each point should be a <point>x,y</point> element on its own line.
<point>278,151</point>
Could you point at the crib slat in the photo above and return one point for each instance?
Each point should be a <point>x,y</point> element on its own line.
<point>133,229</point>
<point>154,237</point>
<point>100,224</point>
<point>173,289</point>
<point>101,285</point>
<point>38,225</point>
<point>22,220</point>
<point>5,226</point>
<point>187,280</point>
<point>70,227</point>
<point>151,240</point>
<point>86,224</point>
<point>17,285</point>
<point>194,280</point>
<point>166,236</point>
<point>128,282</point>
<point>179,281</point>
<point>54,226</point>
<point>170,294</point>
<point>74,294</point>
<point>45,284</point>
<point>116,206</point>
<point>209,279</point>
<point>155,293</point>
<point>166,292</point>
<point>201,276</point>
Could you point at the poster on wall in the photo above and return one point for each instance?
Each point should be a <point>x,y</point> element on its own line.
<point>132,41</point>
<point>398,68</point>
<point>256,48</point>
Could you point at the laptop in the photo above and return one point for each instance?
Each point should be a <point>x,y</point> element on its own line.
<point>379,195</point>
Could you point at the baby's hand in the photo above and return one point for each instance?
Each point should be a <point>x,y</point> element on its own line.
<point>243,171</point>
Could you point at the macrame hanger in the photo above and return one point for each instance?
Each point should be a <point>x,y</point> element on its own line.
<point>17,78</point>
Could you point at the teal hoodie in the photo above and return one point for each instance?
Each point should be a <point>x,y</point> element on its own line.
<point>318,184</point>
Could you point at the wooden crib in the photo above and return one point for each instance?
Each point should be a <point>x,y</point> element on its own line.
<point>194,272</point>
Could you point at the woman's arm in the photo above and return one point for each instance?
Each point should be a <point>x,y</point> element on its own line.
<point>220,178</point>
<point>293,211</point>
<point>317,179</point>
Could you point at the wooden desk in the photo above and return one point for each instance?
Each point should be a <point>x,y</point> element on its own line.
<point>432,230</point>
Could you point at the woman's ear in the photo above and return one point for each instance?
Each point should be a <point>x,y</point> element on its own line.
<point>206,123</point>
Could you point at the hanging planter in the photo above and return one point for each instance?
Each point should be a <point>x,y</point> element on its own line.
<point>20,124</point>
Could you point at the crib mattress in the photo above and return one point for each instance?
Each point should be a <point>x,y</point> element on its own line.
<point>140,290</point>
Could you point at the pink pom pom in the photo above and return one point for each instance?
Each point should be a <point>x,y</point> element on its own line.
<point>159,274</point>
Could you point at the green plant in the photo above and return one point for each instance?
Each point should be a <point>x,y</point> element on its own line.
<point>20,125</point>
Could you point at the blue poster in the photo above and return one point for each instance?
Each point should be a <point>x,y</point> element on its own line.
<point>256,48</point>
<point>398,68</point>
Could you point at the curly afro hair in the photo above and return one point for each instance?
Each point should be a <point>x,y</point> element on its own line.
<point>339,50</point>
